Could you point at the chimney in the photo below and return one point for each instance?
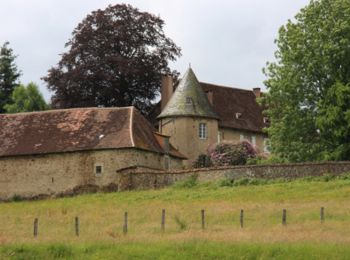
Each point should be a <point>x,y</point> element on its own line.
<point>210,96</point>
<point>257,92</point>
<point>166,90</point>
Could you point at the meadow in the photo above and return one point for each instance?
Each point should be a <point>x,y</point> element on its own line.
<point>263,236</point>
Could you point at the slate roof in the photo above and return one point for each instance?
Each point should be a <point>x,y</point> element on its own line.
<point>188,100</point>
<point>78,129</point>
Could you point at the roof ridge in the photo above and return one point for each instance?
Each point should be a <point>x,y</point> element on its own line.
<point>65,109</point>
<point>221,86</point>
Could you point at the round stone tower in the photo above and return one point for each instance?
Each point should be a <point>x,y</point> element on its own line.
<point>189,119</point>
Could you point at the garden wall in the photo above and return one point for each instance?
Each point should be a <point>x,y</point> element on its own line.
<point>134,179</point>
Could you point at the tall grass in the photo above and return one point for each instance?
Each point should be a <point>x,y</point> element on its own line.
<point>101,221</point>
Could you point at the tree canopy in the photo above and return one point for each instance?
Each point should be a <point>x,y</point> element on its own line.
<point>26,99</point>
<point>116,57</point>
<point>9,75</point>
<point>308,84</point>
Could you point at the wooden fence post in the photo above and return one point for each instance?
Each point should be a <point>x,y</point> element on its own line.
<point>125,227</point>
<point>36,223</point>
<point>322,214</point>
<point>77,226</point>
<point>203,218</point>
<point>241,217</point>
<point>163,220</point>
<point>284,217</point>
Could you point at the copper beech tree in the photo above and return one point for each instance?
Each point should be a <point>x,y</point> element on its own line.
<point>115,57</point>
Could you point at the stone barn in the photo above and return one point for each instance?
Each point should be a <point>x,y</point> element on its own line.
<point>52,152</point>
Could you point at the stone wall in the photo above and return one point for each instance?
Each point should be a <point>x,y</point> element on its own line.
<point>72,173</point>
<point>139,180</point>
<point>54,174</point>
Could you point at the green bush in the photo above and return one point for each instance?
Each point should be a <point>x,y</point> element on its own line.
<point>203,161</point>
<point>189,182</point>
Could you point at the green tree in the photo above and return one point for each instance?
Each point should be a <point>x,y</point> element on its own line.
<point>312,57</point>
<point>9,75</point>
<point>333,120</point>
<point>26,99</point>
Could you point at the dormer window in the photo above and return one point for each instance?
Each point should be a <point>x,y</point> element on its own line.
<point>188,101</point>
<point>238,115</point>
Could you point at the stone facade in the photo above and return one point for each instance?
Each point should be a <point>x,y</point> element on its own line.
<point>51,174</point>
<point>258,139</point>
<point>183,132</point>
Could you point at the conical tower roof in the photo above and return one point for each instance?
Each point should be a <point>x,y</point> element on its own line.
<point>188,100</point>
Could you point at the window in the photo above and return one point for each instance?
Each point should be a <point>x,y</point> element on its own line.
<point>202,131</point>
<point>266,120</point>
<point>253,140</point>
<point>98,169</point>
<point>267,147</point>
<point>188,101</point>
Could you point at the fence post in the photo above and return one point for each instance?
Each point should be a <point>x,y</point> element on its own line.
<point>163,220</point>
<point>125,227</point>
<point>284,217</point>
<point>77,226</point>
<point>322,214</point>
<point>203,218</point>
<point>241,217</point>
<point>36,222</point>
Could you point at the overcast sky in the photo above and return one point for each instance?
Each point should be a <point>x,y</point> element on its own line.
<point>227,42</point>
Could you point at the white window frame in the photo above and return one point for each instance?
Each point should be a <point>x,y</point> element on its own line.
<point>202,131</point>
<point>267,148</point>
<point>254,140</point>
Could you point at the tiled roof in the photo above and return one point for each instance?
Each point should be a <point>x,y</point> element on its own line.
<point>79,129</point>
<point>188,100</point>
<point>227,102</point>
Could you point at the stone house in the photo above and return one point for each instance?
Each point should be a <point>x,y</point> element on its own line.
<point>55,151</point>
<point>196,115</point>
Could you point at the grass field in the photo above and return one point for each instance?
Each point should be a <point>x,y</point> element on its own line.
<point>263,235</point>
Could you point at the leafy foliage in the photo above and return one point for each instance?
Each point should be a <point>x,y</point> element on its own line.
<point>26,99</point>
<point>202,161</point>
<point>9,75</point>
<point>312,62</point>
<point>229,153</point>
<point>116,58</point>
<point>333,120</point>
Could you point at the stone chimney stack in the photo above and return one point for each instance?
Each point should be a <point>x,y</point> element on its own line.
<point>257,92</point>
<point>166,91</point>
<point>210,97</point>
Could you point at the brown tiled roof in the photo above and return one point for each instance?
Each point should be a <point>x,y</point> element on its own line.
<point>229,101</point>
<point>79,129</point>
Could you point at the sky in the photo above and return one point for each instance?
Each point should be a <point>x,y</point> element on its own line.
<point>227,42</point>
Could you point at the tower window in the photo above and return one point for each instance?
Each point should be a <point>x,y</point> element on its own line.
<point>202,131</point>
<point>188,101</point>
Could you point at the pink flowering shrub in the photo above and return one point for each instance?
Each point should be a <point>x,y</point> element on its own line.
<point>229,153</point>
